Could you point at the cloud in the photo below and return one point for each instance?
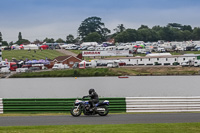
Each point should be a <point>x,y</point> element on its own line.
<point>38,19</point>
<point>51,30</point>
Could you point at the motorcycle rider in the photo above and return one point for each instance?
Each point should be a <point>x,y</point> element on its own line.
<point>94,98</point>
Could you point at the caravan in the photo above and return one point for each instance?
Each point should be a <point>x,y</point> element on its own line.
<point>84,64</point>
<point>113,64</point>
<point>60,66</point>
<point>197,63</point>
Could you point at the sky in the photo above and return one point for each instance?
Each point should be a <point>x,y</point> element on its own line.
<point>38,19</point>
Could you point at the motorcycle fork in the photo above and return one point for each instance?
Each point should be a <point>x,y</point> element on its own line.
<point>77,107</point>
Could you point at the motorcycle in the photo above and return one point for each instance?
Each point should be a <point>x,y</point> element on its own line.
<point>84,106</point>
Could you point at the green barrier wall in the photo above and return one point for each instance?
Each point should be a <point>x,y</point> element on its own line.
<point>41,105</point>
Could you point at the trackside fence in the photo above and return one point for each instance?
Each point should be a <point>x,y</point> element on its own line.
<point>162,104</point>
<point>40,105</point>
<point>1,106</point>
<point>117,105</point>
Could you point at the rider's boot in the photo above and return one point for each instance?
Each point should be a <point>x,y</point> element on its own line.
<point>94,110</point>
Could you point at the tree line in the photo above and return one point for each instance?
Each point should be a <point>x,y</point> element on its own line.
<point>171,32</point>
<point>92,29</point>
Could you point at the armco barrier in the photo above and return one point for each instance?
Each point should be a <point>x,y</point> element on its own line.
<point>128,104</point>
<point>1,106</point>
<point>162,104</point>
<point>39,105</point>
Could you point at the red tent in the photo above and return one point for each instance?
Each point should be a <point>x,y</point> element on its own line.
<point>137,46</point>
<point>44,46</point>
<point>21,46</point>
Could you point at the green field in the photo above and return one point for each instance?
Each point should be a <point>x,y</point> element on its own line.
<point>76,51</point>
<point>117,128</point>
<point>51,54</point>
<point>23,54</point>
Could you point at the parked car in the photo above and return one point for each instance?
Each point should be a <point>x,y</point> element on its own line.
<point>75,47</point>
<point>33,69</point>
<point>21,70</point>
<point>187,63</point>
<point>121,63</point>
<point>83,48</point>
<point>76,65</point>
<point>91,48</point>
<point>112,64</point>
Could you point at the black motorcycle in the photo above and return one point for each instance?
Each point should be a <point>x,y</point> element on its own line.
<point>84,106</point>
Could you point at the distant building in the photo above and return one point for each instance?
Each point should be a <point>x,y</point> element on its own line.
<point>69,60</point>
<point>157,60</point>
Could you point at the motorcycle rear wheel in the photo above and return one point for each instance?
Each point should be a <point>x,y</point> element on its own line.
<point>105,112</point>
<point>75,112</point>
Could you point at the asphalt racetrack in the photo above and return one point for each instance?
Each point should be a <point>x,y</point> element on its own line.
<point>110,119</point>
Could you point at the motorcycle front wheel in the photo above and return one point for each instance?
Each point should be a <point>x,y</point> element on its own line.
<point>75,112</point>
<point>105,112</point>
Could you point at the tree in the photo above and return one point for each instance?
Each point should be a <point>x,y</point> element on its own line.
<point>77,40</point>
<point>37,41</point>
<point>120,28</point>
<point>93,24</point>
<point>186,27</point>
<point>1,39</point>
<point>4,43</point>
<point>11,43</point>
<point>20,36</point>
<point>70,39</point>
<point>143,27</point>
<point>196,33</point>
<point>48,40</point>
<point>175,25</point>
<point>187,35</point>
<point>59,40</point>
<point>22,41</point>
<point>156,28</point>
<point>166,34</point>
<point>129,35</point>
<point>93,37</point>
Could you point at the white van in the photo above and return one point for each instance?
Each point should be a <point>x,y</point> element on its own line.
<point>85,64</point>
<point>187,63</point>
<point>4,70</point>
<point>112,64</point>
<point>21,70</point>
<point>60,66</point>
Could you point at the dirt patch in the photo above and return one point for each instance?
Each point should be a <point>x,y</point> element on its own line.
<point>66,52</point>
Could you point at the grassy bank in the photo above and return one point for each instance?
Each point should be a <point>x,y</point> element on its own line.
<point>23,54</point>
<point>129,71</point>
<point>69,73</point>
<point>119,128</point>
<point>157,71</point>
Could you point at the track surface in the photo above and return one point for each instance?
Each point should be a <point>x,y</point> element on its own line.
<point>110,119</point>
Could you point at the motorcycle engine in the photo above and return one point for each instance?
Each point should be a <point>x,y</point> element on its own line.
<point>87,107</point>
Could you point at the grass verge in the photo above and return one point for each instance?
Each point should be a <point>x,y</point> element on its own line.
<point>69,73</point>
<point>119,128</point>
<point>129,71</point>
<point>33,114</point>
